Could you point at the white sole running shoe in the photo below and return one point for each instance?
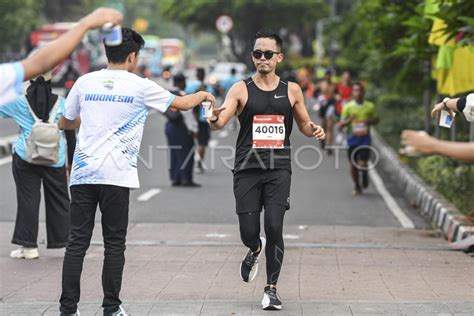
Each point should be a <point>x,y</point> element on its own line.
<point>25,253</point>
<point>271,300</point>
<point>249,264</point>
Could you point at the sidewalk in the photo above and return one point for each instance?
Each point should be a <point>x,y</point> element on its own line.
<point>193,269</point>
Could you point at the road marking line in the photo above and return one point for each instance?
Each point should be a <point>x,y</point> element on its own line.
<point>388,199</point>
<point>148,195</point>
<point>222,243</point>
<point>4,161</point>
<point>216,235</point>
<point>7,140</point>
<point>288,236</point>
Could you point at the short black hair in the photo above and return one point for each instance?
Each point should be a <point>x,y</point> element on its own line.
<point>269,34</point>
<point>178,79</point>
<point>360,85</point>
<point>132,42</point>
<point>201,73</point>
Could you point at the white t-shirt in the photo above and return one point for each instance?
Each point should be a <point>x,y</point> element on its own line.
<point>11,79</point>
<point>113,106</point>
<point>469,109</point>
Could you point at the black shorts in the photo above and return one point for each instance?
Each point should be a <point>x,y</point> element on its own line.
<point>359,153</point>
<point>204,133</point>
<point>254,188</point>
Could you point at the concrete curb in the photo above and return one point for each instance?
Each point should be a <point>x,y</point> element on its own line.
<point>443,214</point>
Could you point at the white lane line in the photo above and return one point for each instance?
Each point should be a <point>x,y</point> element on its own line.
<point>8,140</point>
<point>388,199</point>
<point>292,237</point>
<point>4,161</point>
<point>148,195</point>
<point>216,235</point>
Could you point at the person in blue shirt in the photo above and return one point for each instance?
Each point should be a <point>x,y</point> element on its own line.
<point>204,131</point>
<point>230,81</point>
<point>40,100</point>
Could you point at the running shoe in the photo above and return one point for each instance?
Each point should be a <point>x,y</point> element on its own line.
<point>249,265</point>
<point>25,253</point>
<point>271,300</point>
<point>119,312</point>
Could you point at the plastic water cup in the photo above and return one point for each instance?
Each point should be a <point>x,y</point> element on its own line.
<point>206,109</point>
<point>111,35</point>
<point>410,151</point>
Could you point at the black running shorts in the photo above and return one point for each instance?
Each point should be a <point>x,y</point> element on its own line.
<point>204,133</point>
<point>255,188</point>
<point>359,153</point>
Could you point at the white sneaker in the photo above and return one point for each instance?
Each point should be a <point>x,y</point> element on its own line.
<point>25,253</point>
<point>119,312</point>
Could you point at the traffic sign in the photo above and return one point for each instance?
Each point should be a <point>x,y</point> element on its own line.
<point>224,24</point>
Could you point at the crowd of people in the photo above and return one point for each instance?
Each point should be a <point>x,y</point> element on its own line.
<point>111,105</point>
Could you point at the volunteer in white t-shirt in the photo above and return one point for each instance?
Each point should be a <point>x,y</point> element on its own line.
<point>13,74</point>
<point>110,106</point>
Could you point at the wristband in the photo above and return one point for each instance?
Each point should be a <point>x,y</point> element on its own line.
<point>444,104</point>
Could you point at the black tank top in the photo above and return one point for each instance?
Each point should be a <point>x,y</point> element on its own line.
<point>261,102</point>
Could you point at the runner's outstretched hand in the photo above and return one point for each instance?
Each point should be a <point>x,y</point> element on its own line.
<point>216,112</point>
<point>318,131</point>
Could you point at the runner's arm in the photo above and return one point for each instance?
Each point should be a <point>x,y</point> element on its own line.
<point>56,51</point>
<point>221,116</point>
<point>302,118</point>
<point>374,117</point>
<point>346,118</point>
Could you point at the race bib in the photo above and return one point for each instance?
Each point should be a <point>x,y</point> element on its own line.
<point>268,131</point>
<point>360,128</point>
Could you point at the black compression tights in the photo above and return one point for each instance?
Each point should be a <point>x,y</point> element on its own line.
<point>273,224</point>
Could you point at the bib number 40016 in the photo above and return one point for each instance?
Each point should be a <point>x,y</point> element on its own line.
<point>268,131</point>
<point>272,129</point>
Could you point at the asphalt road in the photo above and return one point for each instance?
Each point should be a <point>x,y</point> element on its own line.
<point>320,189</point>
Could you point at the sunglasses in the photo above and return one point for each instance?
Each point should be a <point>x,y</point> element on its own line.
<point>268,54</point>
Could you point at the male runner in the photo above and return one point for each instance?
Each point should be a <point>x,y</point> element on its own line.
<point>265,106</point>
<point>359,115</point>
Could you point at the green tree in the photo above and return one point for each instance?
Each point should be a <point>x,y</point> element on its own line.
<point>17,18</point>
<point>459,19</point>
<point>249,16</point>
<point>386,42</point>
